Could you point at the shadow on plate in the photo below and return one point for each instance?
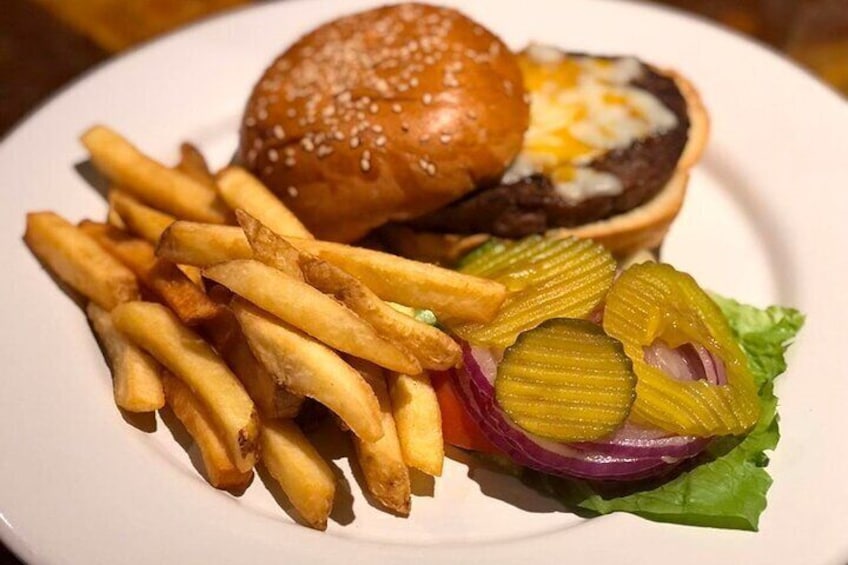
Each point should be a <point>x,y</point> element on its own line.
<point>499,482</point>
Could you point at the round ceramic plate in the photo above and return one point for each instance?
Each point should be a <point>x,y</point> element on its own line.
<point>765,222</point>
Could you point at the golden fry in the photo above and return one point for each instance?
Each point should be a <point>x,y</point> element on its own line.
<point>135,374</point>
<point>202,245</point>
<point>166,280</point>
<point>241,190</point>
<point>193,164</point>
<point>310,310</point>
<point>451,295</point>
<point>150,181</point>
<point>220,470</point>
<point>272,399</point>
<point>144,221</point>
<point>269,247</point>
<point>381,461</point>
<point>156,330</point>
<point>432,348</point>
<point>79,261</point>
<point>299,469</point>
<point>113,218</point>
<point>419,422</point>
<point>310,368</point>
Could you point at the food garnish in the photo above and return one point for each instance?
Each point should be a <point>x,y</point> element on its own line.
<point>654,309</point>
<point>548,278</point>
<point>566,380</point>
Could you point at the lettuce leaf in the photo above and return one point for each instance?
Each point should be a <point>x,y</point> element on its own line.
<point>726,486</point>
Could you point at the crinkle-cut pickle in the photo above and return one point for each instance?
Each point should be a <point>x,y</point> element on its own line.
<point>549,278</point>
<point>651,302</point>
<point>566,380</point>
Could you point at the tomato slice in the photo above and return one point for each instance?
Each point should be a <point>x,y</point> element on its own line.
<point>458,428</point>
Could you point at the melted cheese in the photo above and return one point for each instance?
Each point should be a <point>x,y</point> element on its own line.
<point>582,107</point>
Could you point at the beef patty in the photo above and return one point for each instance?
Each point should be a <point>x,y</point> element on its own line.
<point>533,205</point>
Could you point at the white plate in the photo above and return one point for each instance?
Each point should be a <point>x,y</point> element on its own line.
<point>765,222</point>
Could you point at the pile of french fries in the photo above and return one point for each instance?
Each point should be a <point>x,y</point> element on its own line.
<point>210,298</point>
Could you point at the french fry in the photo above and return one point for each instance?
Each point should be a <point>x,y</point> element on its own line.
<point>193,164</point>
<point>309,310</point>
<point>79,261</point>
<point>303,475</point>
<point>202,245</point>
<point>451,295</point>
<point>269,247</point>
<point>272,399</point>
<point>381,461</point>
<point>419,422</point>
<point>241,190</point>
<point>144,221</point>
<point>156,330</point>
<point>433,349</point>
<point>310,368</point>
<point>135,374</point>
<point>166,280</point>
<point>150,181</point>
<point>221,472</point>
<point>113,218</point>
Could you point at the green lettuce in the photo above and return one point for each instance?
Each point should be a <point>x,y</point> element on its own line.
<point>726,486</point>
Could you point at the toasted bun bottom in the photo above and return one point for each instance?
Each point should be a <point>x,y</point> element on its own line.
<point>643,227</point>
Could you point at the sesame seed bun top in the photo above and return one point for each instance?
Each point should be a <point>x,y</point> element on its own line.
<point>382,116</point>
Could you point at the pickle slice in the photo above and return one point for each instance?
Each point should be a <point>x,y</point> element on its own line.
<point>654,302</point>
<point>566,380</point>
<point>549,278</point>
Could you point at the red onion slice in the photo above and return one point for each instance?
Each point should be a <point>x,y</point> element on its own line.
<point>475,386</point>
<point>688,362</point>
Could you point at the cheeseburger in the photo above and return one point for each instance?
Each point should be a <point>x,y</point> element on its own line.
<point>415,123</point>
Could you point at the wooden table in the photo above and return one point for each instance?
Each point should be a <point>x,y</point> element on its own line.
<point>46,43</point>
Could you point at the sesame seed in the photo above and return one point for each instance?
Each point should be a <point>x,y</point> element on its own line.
<point>338,135</point>
<point>396,108</point>
<point>377,128</point>
<point>250,121</point>
<point>380,141</point>
<point>279,132</point>
<point>289,151</point>
<point>404,127</point>
<point>354,142</point>
<point>445,138</point>
<point>324,150</point>
<point>413,82</point>
<point>273,155</point>
<point>290,162</point>
<point>307,144</point>
<point>427,98</point>
<point>431,169</point>
<point>292,190</point>
<point>373,108</point>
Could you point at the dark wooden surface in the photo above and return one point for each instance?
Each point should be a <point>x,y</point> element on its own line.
<point>46,43</point>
